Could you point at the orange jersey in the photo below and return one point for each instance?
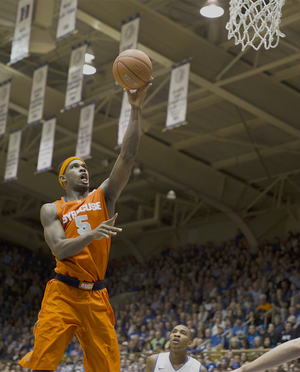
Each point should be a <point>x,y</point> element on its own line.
<point>77,218</point>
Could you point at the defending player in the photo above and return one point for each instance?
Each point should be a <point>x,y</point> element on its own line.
<point>177,358</point>
<point>78,229</point>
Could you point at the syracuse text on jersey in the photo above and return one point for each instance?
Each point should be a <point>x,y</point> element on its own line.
<point>85,207</point>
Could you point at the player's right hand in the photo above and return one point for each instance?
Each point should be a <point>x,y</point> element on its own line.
<point>106,229</point>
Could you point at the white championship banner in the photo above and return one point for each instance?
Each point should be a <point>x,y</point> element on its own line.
<point>129,35</point>
<point>21,40</point>
<point>178,95</point>
<point>4,105</point>
<point>13,152</point>
<point>123,119</point>
<point>46,145</point>
<point>66,18</point>
<point>75,77</point>
<point>85,131</point>
<point>37,95</point>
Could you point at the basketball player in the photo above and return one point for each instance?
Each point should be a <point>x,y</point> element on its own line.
<point>177,358</point>
<point>283,353</point>
<point>78,229</point>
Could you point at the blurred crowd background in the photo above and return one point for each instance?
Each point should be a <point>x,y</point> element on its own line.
<point>237,304</point>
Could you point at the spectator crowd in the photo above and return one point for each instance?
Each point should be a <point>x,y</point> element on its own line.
<point>232,300</point>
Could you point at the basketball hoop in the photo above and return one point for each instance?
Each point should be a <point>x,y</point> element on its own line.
<point>255,22</point>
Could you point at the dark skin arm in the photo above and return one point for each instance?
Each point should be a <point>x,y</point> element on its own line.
<point>56,239</point>
<point>119,176</point>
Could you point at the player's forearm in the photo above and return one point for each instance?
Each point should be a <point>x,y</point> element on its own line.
<point>283,353</point>
<point>132,135</point>
<point>71,246</point>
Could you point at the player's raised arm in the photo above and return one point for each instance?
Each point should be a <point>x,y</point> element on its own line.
<point>151,363</point>
<point>119,176</point>
<point>283,353</point>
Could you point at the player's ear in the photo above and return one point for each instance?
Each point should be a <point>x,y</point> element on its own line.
<point>190,343</point>
<point>63,178</point>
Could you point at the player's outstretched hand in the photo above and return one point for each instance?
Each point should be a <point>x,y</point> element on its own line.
<point>136,98</point>
<point>106,229</point>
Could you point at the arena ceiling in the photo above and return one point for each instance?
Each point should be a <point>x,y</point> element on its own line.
<point>238,155</point>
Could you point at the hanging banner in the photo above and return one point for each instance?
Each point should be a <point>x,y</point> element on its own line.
<point>46,145</point>
<point>123,119</point>
<point>85,131</point>
<point>75,77</point>
<point>67,18</point>
<point>13,153</point>
<point>129,34</point>
<point>178,95</point>
<point>4,105</point>
<point>21,40</point>
<point>37,96</point>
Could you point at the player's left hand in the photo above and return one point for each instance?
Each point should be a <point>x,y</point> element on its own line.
<point>136,98</point>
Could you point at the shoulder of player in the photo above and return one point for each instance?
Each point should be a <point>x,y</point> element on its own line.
<point>95,193</point>
<point>48,208</point>
<point>48,211</point>
<point>151,362</point>
<point>203,369</point>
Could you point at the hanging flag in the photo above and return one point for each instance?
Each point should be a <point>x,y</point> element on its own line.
<point>75,77</point>
<point>13,152</point>
<point>21,40</point>
<point>46,145</point>
<point>178,95</point>
<point>85,131</point>
<point>4,105</point>
<point>67,18</point>
<point>37,96</point>
<point>123,119</point>
<point>129,34</point>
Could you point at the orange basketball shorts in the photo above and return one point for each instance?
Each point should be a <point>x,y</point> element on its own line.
<point>67,311</point>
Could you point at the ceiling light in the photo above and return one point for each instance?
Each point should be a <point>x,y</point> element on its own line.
<point>171,195</point>
<point>211,9</point>
<point>88,70</point>
<point>136,171</point>
<point>88,57</point>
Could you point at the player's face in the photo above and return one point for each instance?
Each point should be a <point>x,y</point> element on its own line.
<point>77,175</point>
<point>180,337</point>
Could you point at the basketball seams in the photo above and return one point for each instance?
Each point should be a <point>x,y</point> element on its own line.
<point>121,77</point>
<point>138,59</point>
<point>130,71</point>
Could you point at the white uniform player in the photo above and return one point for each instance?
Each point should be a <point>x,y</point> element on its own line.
<point>163,364</point>
<point>177,359</point>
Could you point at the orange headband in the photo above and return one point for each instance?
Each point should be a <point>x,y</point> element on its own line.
<point>64,166</point>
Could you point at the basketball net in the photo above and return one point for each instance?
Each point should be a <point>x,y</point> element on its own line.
<point>255,22</point>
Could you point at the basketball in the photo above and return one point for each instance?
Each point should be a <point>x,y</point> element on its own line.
<point>132,69</point>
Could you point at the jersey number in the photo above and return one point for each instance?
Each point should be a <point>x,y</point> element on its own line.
<point>82,224</point>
